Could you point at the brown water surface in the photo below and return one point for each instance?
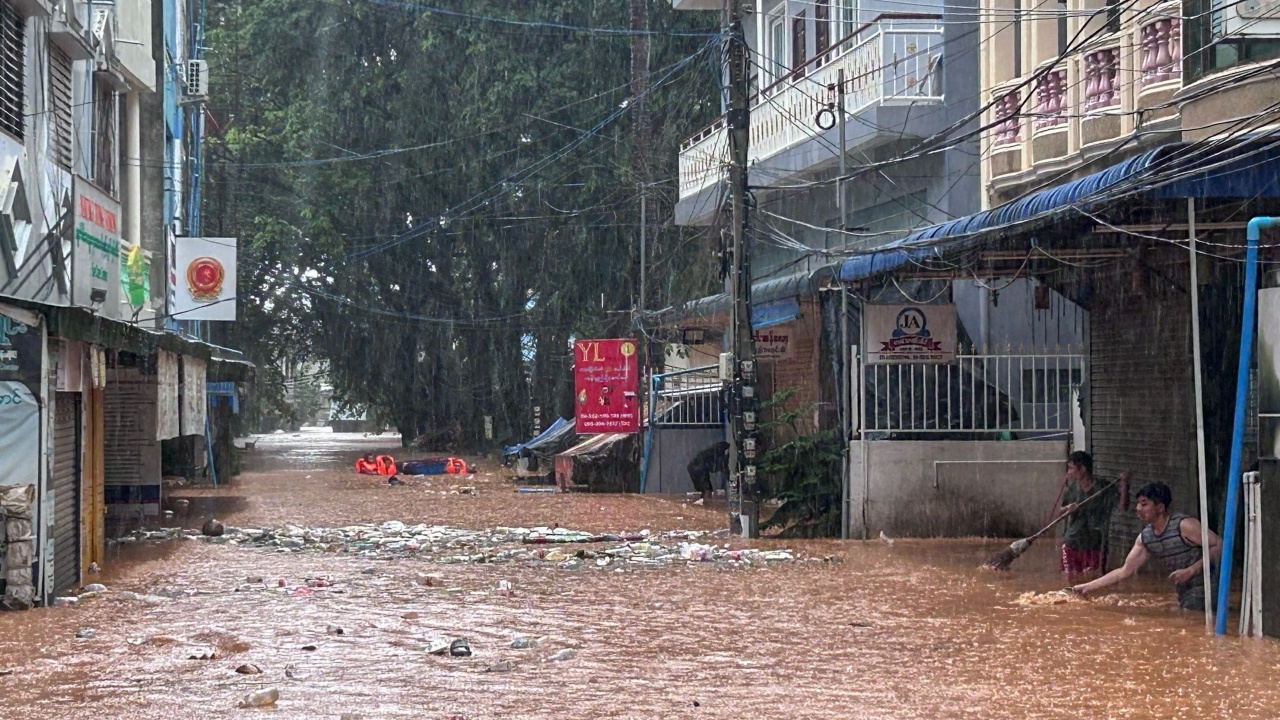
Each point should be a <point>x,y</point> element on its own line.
<point>911,630</point>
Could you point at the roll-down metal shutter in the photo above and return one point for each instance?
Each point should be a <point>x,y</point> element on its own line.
<point>1142,403</point>
<point>66,490</point>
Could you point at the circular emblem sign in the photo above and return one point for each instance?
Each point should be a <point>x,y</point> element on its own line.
<point>205,276</point>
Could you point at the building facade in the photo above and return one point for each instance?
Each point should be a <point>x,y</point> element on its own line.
<point>99,388</point>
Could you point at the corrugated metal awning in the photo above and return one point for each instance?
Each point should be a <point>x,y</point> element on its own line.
<point>1246,169</point>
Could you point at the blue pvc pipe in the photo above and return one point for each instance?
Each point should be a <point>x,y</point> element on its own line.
<point>1253,234</point>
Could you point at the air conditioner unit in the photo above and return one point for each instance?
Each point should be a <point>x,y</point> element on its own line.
<point>1248,18</point>
<point>195,75</point>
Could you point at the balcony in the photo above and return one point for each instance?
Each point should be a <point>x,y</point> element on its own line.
<point>894,61</point>
<point>70,29</point>
<point>1069,111</point>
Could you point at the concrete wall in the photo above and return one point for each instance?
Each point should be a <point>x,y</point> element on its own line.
<point>1006,494</point>
<point>669,456</point>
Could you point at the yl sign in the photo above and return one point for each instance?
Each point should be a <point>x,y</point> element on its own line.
<point>910,333</point>
<point>605,381</point>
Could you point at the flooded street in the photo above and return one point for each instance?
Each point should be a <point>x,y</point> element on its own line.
<point>847,630</point>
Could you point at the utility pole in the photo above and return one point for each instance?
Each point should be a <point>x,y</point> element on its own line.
<point>642,131</point>
<point>644,257</point>
<point>840,201</point>
<point>743,396</point>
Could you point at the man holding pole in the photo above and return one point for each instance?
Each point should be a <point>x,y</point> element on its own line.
<point>1085,533</point>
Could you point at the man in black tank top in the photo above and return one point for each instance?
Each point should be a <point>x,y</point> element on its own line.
<point>1174,539</point>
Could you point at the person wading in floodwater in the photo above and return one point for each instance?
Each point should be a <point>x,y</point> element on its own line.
<point>1085,533</point>
<point>710,460</point>
<point>1173,539</point>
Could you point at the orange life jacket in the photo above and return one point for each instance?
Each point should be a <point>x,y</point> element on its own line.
<point>386,465</point>
<point>455,466</point>
<point>364,467</point>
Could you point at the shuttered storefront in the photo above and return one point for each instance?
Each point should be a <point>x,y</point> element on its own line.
<point>1142,402</point>
<point>131,452</point>
<point>66,491</point>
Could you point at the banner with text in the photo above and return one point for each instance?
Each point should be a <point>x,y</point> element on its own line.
<point>774,343</point>
<point>95,257</point>
<point>909,333</point>
<point>605,381</point>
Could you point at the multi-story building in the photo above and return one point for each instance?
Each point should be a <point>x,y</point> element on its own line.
<point>96,387</point>
<point>865,126</point>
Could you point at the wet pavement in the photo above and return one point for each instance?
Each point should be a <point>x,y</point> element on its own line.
<point>846,630</point>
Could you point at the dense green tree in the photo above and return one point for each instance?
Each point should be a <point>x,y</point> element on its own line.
<point>434,205</point>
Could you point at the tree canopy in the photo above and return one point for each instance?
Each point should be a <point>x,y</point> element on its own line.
<point>432,205</point>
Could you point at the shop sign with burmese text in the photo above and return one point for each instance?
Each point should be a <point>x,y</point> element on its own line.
<point>909,333</point>
<point>605,381</point>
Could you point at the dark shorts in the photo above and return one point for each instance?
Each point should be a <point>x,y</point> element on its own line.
<point>1078,561</point>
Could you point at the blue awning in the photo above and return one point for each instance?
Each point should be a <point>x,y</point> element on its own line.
<point>776,312</point>
<point>1248,169</point>
<point>933,242</point>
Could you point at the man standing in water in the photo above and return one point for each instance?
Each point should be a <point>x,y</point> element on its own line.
<point>1173,539</point>
<point>713,459</point>
<point>1084,537</point>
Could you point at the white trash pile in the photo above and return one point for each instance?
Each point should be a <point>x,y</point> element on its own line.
<point>446,544</point>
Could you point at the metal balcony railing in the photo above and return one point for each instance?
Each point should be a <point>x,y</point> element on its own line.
<point>895,59</point>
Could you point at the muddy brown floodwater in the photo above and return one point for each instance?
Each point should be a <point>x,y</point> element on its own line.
<point>911,630</point>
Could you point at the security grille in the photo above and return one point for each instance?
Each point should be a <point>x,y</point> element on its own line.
<point>60,99</point>
<point>12,58</point>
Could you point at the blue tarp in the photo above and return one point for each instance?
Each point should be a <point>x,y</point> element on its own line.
<point>555,432</point>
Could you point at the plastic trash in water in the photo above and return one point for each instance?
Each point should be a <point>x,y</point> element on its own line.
<point>565,654</point>
<point>261,698</point>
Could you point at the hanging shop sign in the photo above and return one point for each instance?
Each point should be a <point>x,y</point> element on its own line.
<point>206,278</point>
<point>95,263</point>
<point>774,343</point>
<point>19,434</point>
<point>605,382</point>
<point>21,348</point>
<point>910,333</point>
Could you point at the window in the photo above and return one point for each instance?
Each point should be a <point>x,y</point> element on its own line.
<point>12,69</point>
<point>798,44</point>
<point>1062,28</point>
<point>1113,16</point>
<point>1017,38</point>
<point>821,26</point>
<point>848,18</point>
<point>104,136</point>
<point>60,106</point>
<point>777,49</point>
<point>1208,47</point>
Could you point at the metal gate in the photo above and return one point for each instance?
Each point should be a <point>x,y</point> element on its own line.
<point>978,397</point>
<point>685,414</point>
<point>66,491</point>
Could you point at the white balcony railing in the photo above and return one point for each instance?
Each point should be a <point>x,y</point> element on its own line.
<point>889,61</point>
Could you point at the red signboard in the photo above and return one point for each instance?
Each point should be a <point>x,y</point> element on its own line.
<point>605,382</point>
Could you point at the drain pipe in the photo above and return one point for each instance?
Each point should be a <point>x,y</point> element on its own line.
<point>1252,235</point>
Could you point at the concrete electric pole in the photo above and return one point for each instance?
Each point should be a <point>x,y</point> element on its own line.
<point>743,395</point>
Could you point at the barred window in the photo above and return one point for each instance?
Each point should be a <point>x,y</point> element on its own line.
<point>12,69</point>
<point>104,136</point>
<point>60,102</point>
